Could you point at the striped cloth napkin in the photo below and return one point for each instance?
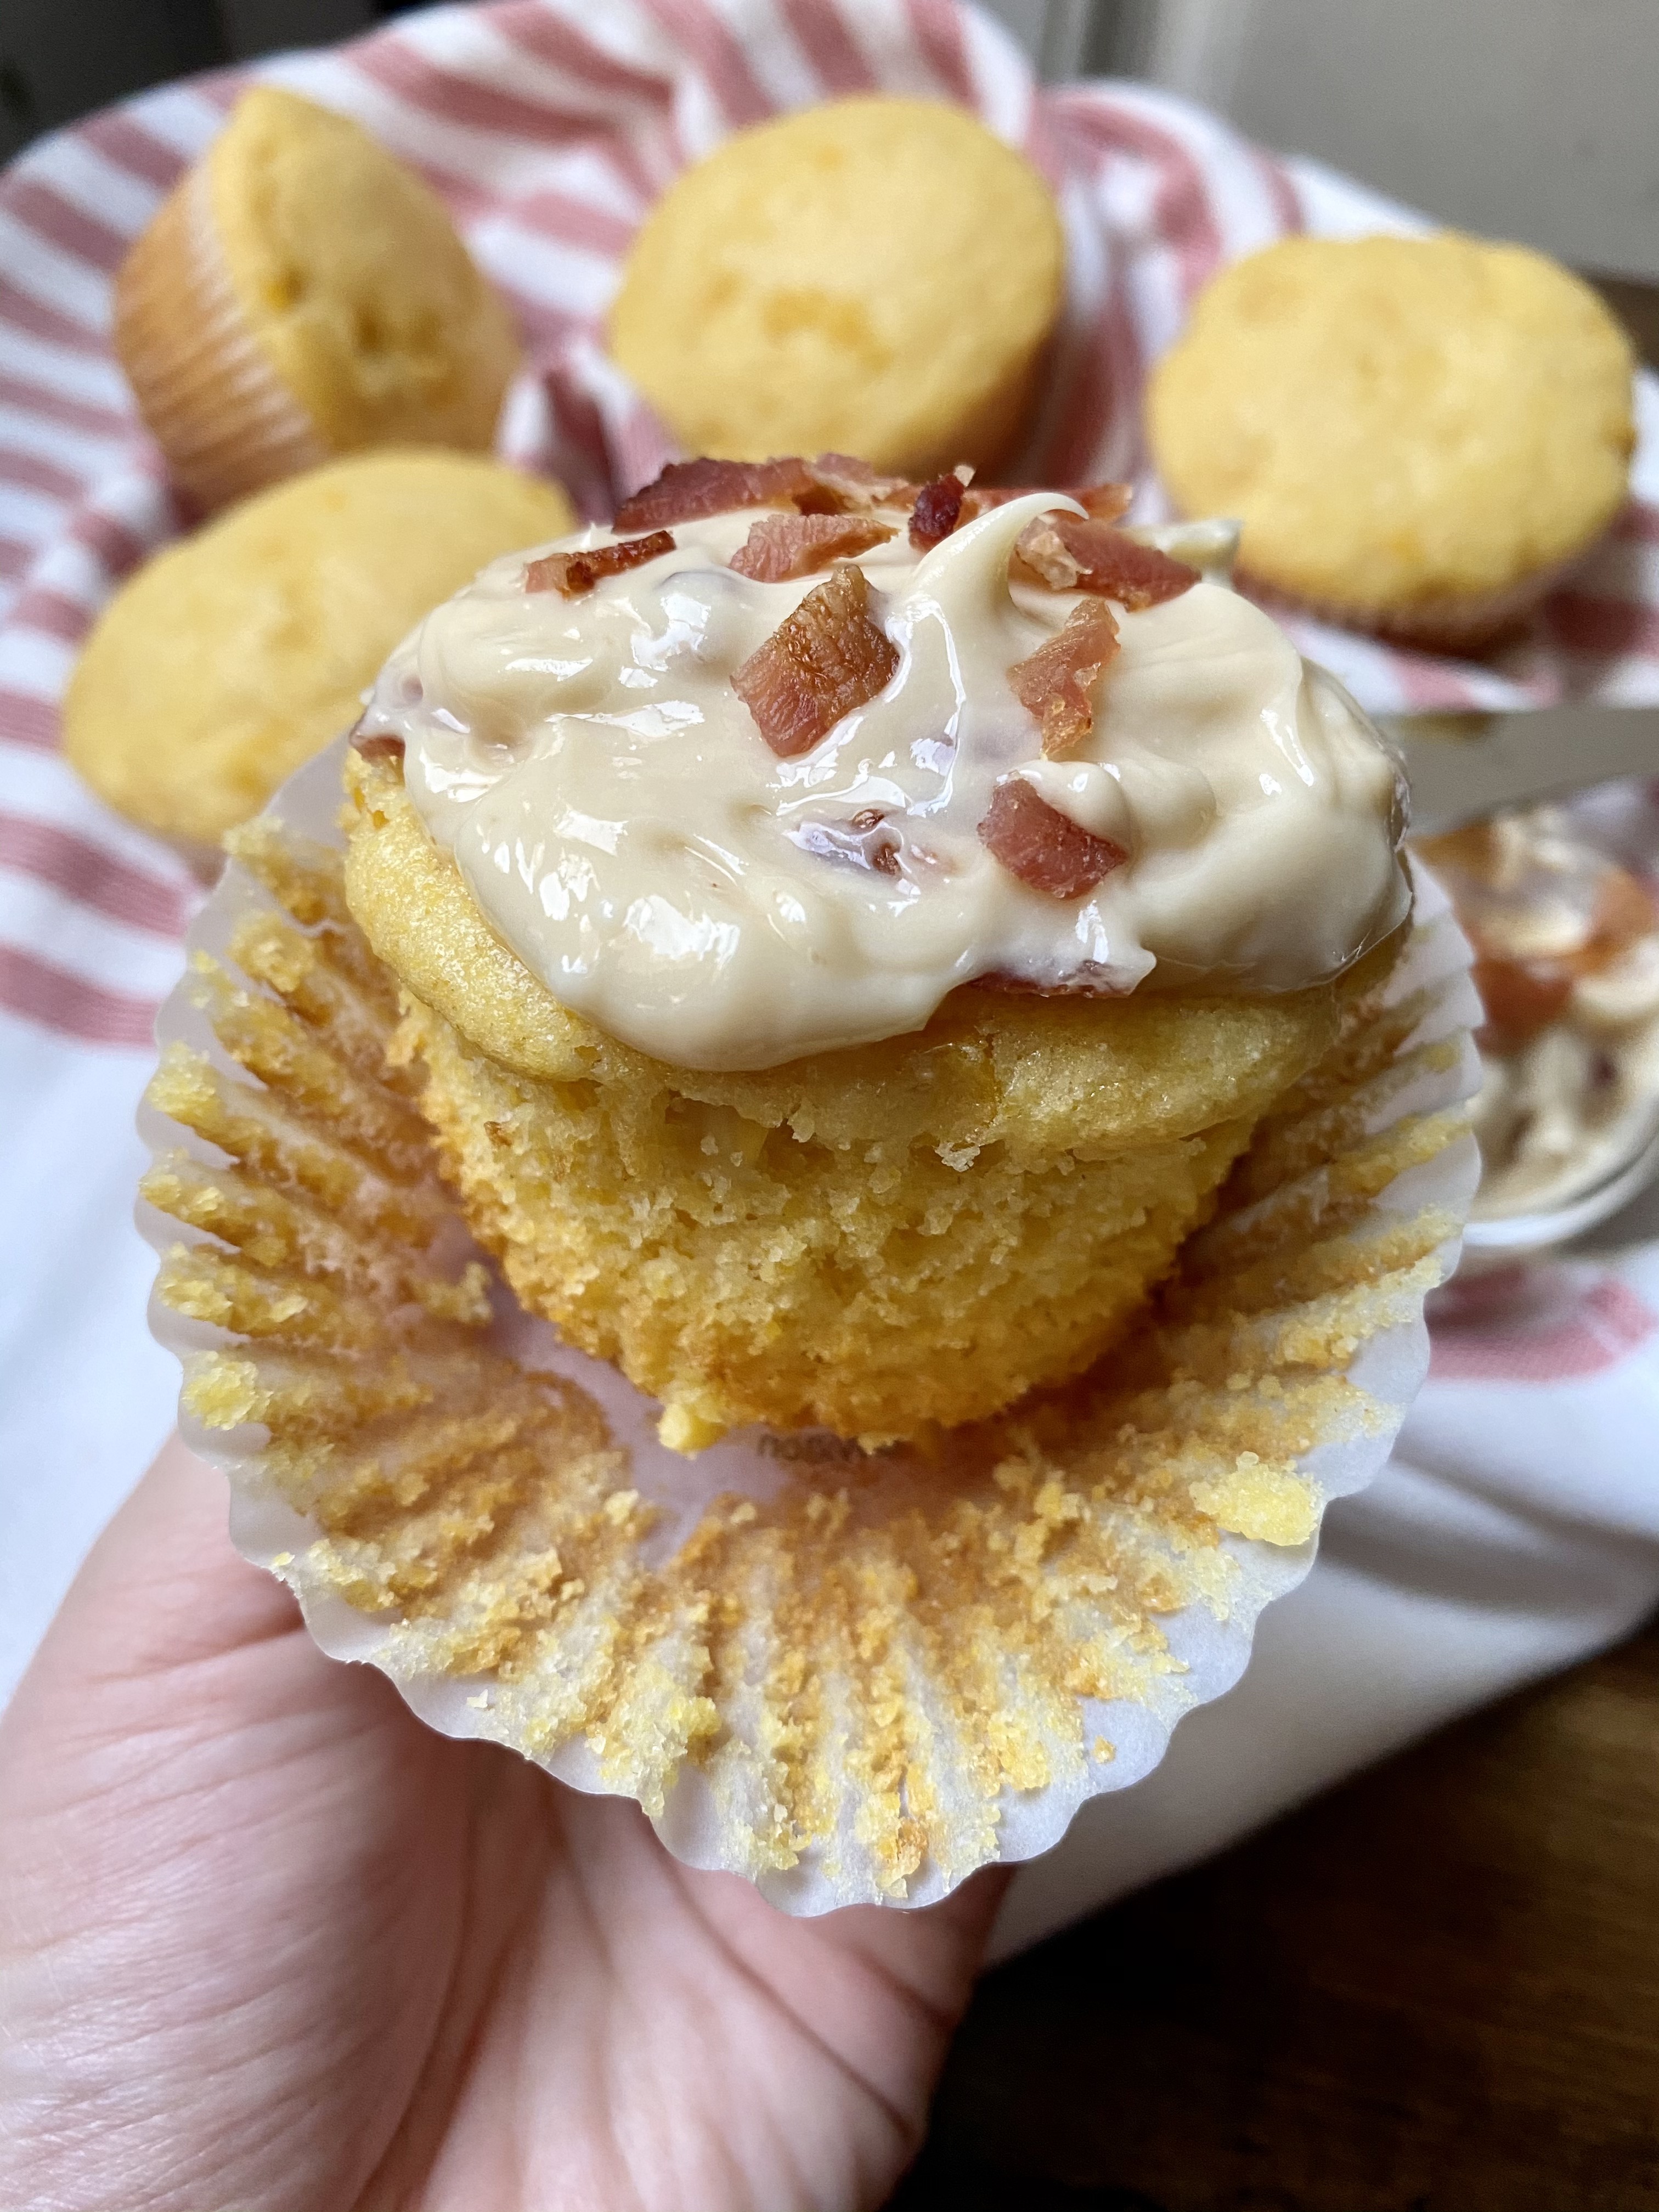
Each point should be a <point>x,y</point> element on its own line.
<point>548,126</point>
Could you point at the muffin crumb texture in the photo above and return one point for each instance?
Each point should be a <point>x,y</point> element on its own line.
<point>856,1678</point>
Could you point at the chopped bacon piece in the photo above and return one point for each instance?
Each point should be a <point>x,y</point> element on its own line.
<point>687,490</point>
<point>1054,681</point>
<point>381,746</point>
<point>828,658</point>
<point>573,574</point>
<point>1103,502</point>
<point>1072,554</point>
<point>937,512</point>
<point>1045,848</point>
<point>779,546</point>
<point>842,484</point>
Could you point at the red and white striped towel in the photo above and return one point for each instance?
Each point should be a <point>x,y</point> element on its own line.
<point>548,126</point>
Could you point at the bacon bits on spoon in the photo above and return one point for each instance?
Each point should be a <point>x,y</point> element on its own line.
<point>828,658</point>
<point>782,546</point>
<point>1046,849</point>
<point>1053,683</point>
<point>575,573</point>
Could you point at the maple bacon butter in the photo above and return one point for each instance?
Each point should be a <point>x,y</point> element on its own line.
<point>850,928</point>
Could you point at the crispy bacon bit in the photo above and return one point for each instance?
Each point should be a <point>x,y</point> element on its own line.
<point>840,483</point>
<point>381,746</point>
<point>687,490</point>
<point>779,546</point>
<point>937,512</point>
<point>1045,848</point>
<point>1103,502</point>
<point>573,574</point>
<point>1054,681</point>
<point>1071,555</point>
<point>834,484</point>
<point>828,658</point>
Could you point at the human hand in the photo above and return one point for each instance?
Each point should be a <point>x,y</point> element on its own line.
<point>268,1944</point>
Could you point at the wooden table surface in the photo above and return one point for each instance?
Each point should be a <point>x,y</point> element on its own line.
<point>1436,1990</point>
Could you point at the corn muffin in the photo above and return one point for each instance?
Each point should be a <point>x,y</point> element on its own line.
<point>234,656</point>
<point>1418,435</point>
<point>302,293</point>
<point>875,275</point>
<point>845,952</point>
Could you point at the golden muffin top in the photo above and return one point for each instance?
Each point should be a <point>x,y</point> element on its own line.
<point>233,657</point>
<point>1397,421</point>
<point>351,276</point>
<point>875,275</point>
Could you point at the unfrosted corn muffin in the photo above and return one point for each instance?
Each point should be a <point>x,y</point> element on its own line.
<point>301,293</point>
<point>235,655</point>
<point>875,274</point>
<point>849,937</point>
<point>1418,435</point>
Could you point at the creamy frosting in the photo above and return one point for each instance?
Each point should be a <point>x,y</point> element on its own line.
<point>1573,1099</point>
<point>628,833</point>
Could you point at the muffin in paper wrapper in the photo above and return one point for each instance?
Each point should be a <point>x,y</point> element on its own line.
<point>849,1679</point>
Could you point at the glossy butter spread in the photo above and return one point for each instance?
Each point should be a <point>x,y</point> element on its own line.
<point>631,834</point>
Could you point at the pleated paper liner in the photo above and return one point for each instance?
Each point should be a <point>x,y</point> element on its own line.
<point>845,1679</point>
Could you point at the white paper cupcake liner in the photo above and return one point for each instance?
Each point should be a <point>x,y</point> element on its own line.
<point>848,1679</point>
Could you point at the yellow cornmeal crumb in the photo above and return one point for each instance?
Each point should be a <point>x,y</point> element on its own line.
<point>231,657</point>
<point>1410,429</point>
<point>1275,1504</point>
<point>880,1241</point>
<point>874,277</point>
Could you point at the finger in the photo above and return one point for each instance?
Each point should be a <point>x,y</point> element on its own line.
<point>934,1950</point>
<point>161,1587</point>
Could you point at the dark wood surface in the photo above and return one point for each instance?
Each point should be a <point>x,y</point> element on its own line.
<point>1435,1991</point>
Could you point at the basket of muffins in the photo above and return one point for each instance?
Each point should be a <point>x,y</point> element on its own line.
<point>809,1127</point>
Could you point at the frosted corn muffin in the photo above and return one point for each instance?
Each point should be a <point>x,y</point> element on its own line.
<point>849,930</point>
